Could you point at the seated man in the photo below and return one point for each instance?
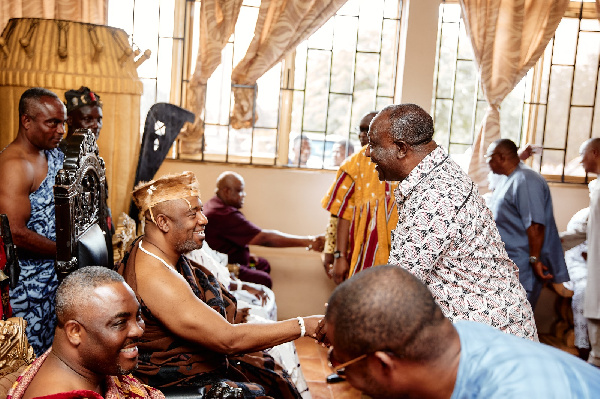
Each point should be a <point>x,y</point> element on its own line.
<point>28,167</point>
<point>190,339</point>
<point>84,111</point>
<point>228,231</point>
<point>94,349</point>
<point>405,347</point>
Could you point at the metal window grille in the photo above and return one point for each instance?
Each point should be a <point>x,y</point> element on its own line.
<point>344,70</point>
<point>553,106</point>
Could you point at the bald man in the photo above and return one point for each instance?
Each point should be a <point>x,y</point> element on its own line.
<point>28,167</point>
<point>522,207</point>
<point>229,232</point>
<point>590,160</point>
<point>95,342</point>
<point>397,343</point>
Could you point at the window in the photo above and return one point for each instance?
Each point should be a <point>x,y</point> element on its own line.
<point>555,105</point>
<point>344,70</point>
<point>151,25</point>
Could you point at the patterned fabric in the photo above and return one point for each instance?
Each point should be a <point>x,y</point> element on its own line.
<point>168,360</point>
<point>33,297</point>
<point>507,42</point>
<point>494,365</point>
<point>280,27</point>
<point>117,387</point>
<point>446,237</point>
<point>358,195</point>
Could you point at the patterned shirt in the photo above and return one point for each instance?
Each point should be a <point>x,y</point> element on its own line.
<point>446,237</point>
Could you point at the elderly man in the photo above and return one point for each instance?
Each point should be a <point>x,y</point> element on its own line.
<point>28,167</point>
<point>84,110</point>
<point>405,347</point>
<point>359,200</point>
<point>229,232</point>
<point>590,160</point>
<point>522,208</point>
<point>94,349</point>
<point>445,234</point>
<point>190,339</point>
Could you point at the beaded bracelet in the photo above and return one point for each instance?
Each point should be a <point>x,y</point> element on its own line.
<point>302,326</point>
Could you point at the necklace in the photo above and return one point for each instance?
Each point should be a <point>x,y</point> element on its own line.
<point>155,256</point>
<point>71,368</point>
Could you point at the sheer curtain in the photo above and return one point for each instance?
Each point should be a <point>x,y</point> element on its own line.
<point>508,37</point>
<point>217,23</point>
<point>281,26</point>
<point>90,11</point>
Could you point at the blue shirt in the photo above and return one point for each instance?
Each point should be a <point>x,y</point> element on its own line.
<point>520,199</point>
<point>494,364</point>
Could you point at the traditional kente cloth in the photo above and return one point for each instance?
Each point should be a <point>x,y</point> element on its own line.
<point>33,297</point>
<point>447,238</point>
<point>117,387</point>
<point>357,195</point>
<point>168,360</point>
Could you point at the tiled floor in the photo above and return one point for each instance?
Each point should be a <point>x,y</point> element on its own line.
<point>313,359</point>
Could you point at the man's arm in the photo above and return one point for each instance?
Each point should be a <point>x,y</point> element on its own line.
<point>275,238</point>
<point>16,179</point>
<point>196,322</point>
<point>535,236</point>
<point>341,265</point>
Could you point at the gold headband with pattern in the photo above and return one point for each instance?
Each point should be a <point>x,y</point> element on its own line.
<point>165,188</point>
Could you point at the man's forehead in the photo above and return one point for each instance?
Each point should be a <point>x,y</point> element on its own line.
<point>50,105</point>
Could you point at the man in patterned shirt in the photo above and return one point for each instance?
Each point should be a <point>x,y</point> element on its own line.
<point>445,234</point>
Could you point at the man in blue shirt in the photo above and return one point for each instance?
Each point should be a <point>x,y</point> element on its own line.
<point>522,208</point>
<point>390,339</point>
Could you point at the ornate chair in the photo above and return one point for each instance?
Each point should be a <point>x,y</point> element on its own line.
<point>81,211</point>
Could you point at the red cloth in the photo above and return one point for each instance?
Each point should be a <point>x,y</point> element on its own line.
<point>5,310</point>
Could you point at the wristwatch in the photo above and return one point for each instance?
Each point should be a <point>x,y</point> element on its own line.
<point>337,254</point>
<point>533,260</point>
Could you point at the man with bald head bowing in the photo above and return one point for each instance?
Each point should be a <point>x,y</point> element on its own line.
<point>228,231</point>
<point>445,234</point>
<point>94,349</point>
<point>406,348</point>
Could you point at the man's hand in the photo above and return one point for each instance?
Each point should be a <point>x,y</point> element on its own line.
<point>541,271</point>
<point>317,243</point>
<point>328,264</point>
<point>260,294</point>
<point>340,269</point>
<point>241,316</point>
<point>315,327</point>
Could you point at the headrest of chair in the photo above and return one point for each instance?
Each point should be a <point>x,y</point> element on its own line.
<point>91,248</point>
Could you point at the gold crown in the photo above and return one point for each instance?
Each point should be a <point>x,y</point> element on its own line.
<point>165,188</point>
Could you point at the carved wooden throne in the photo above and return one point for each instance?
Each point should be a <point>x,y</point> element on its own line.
<point>81,211</point>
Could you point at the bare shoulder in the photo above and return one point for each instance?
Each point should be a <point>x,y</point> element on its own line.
<point>16,170</point>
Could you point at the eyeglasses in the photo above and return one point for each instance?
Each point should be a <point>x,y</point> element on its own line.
<point>340,369</point>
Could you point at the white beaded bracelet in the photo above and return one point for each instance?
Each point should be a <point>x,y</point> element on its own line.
<point>239,285</point>
<point>302,326</point>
